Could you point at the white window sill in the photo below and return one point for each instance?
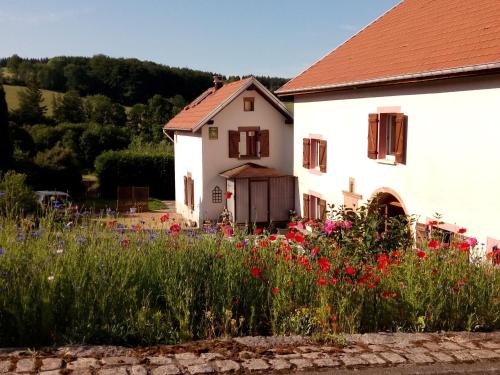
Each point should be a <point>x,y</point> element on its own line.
<point>386,161</point>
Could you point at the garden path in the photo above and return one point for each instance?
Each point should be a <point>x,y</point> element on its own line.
<point>387,353</point>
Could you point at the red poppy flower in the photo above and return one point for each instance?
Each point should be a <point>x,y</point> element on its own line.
<point>333,281</point>
<point>421,254</point>
<point>376,279</point>
<point>258,231</point>
<point>434,244</point>
<point>255,272</point>
<point>385,295</point>
<point>463,246</point>
<point>175,228</point>
<point>240,244</point>
<point>350,271</point>
<point>125,243</point>
<point>273,237</point>
<point>164,218</point>
<point>371,285</point>
<point>290,235</point>
<point>462,230</point>
<point>321,281</point>
<point>394,295</point>
<point>315,251</point>
<point>434,272</point>
<point>264,244</point>
<point>275,291</point>
<point>334,318</point>
<point>299,238</point>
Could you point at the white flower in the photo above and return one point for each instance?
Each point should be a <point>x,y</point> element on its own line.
<point>50,278</point>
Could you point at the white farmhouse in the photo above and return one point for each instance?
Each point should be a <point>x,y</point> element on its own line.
<point>408,107</point>
<point>233,149</point>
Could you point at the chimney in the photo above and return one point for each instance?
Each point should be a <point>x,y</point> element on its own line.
<point>218,82</point>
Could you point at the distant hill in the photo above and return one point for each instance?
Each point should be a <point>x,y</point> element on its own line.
<point>126,81</point>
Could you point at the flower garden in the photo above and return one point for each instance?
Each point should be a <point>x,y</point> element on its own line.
<point>96,281</point>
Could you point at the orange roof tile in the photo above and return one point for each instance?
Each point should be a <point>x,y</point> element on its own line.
<point>420,37</point>
<point>203,105</point>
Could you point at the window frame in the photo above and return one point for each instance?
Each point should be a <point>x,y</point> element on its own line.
<point>250,100</point>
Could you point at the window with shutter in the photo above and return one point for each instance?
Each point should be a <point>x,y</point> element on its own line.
<point>306,206</point>
<point>373,135</point>
<point>322,156</point>
<point>185,191</point>
<point>306,153</point>
<point>234,143</point>
<point>191,191</point>
<point>387,137</point>
<point>322,209</point>
<point>264,143</point>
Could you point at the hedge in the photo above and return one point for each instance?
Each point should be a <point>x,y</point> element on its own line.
<point>131,168</point>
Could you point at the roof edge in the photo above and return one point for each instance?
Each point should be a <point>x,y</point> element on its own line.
<point>431,74</point>
<point>341,44</point>
<point>220,107</point>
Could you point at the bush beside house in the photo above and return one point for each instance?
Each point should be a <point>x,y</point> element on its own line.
<point>131,168</point>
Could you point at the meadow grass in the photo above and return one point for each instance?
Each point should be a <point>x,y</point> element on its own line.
<point>89,281</point>
<point>12,97</point>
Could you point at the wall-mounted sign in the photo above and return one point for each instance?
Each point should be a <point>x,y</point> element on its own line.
<point>213,132</point>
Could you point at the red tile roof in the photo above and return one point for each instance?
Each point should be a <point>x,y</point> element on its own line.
<point>420,37</point>
<point>204,104</point>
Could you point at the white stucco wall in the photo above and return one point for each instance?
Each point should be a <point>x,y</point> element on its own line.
<point>188,159</point>
<point>453,158</point>
<point>215,152</point>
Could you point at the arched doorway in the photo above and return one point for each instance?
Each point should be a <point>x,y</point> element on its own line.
<point>389,202</point>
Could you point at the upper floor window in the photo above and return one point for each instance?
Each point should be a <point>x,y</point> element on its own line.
<point>248,143</point>
<point>248,104</point>
<point>189,192</point>
<point>314,154</point>
<point>387,136</point>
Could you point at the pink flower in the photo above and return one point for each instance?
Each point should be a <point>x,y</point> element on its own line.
<point>329,226</point>
<point>472,241</point>
<point>347,224</point>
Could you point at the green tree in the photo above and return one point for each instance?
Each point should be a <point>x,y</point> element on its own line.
<point>68,108</point>
<point>6,149</point>
<point>31,108</point>
<point>101,110</point>
<point>57,158</point>
<point>99,138</point>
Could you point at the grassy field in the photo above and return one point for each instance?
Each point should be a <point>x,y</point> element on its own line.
<point>11,95</point>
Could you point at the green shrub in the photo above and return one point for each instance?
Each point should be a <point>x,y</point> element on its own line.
<point>16,197</point>
<point>129,168</point>
<point>97,139</point>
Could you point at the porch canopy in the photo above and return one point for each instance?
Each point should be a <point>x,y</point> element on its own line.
<point>259,194</point>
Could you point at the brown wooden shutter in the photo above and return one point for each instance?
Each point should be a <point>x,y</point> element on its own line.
<point>264,143</point>
<point>306,153</point>
<point>185,191</point>
<point>191,193</point>
<point>322,156</point>
<point>373,135</point>
<point>400,138</point>
<point>322,209</point>
<point>306,209</point>
<point>234,143</point>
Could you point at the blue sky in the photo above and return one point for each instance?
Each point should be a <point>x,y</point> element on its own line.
<point>232,37</point>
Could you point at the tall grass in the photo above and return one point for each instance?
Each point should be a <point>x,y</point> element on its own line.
<point>94,282</point>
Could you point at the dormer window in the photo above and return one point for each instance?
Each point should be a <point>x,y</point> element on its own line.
<point>248,104</point>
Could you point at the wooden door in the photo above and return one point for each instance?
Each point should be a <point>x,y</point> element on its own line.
<point>259,201</point>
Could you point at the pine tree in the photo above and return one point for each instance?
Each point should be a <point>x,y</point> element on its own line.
<point>5,141</point>
<point>31,108</point>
